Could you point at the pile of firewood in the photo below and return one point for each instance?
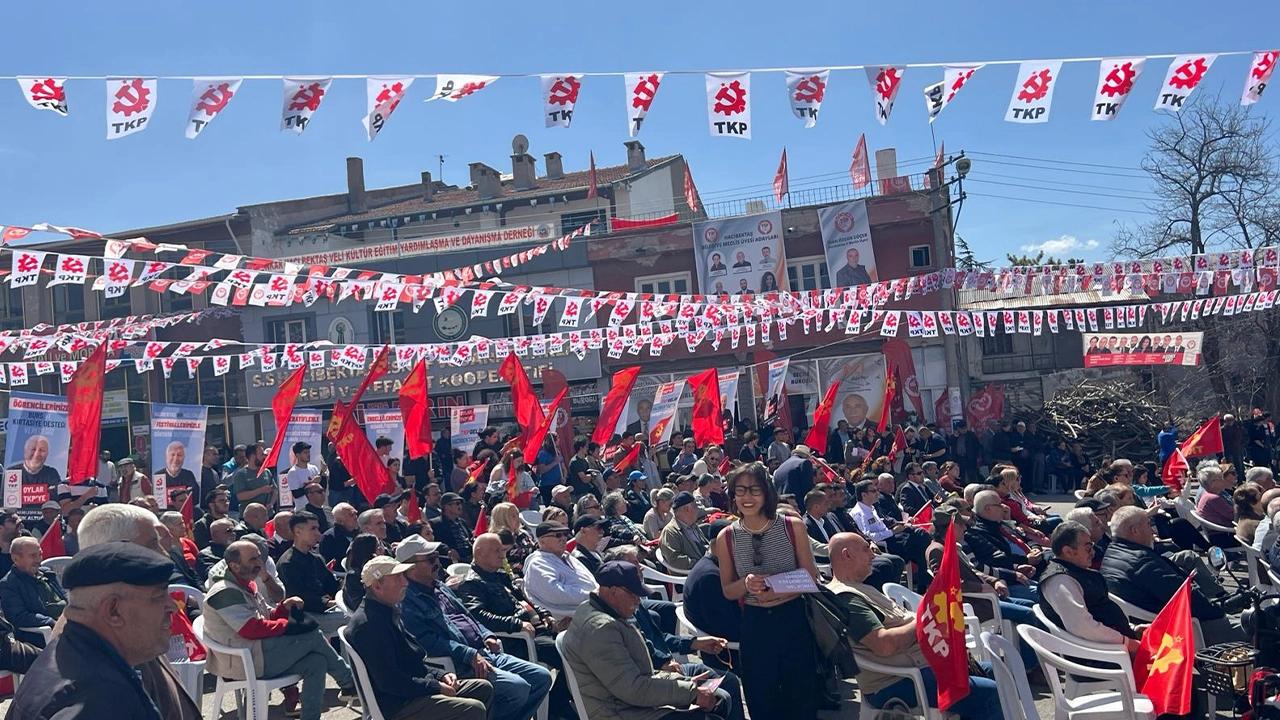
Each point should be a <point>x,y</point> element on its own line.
<point>1109,418</point>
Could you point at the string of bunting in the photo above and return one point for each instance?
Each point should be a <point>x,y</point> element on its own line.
<point>131,101</point>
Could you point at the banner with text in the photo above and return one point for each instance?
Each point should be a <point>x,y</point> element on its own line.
<point>665,404</point>
<point>846,241</point>
<point>388,423</point>
<point>728,389</point>
<point>304,425</point>
<point>1108,349</point>
<point>35,452</point>
<point>773,392</point>
<point>177,446</point>
<point>465,424</point>
<point>740,256</point>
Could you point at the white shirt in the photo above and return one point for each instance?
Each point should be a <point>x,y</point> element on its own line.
<point>869,522</point>
<point>558,583</point>
<point>1065,595</point>
<point>298,478</point>
<point>1264,536</point>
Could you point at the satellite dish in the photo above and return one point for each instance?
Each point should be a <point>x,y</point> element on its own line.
<point>519,145</point>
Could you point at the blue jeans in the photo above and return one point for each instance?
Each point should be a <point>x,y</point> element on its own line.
<point>1024,592</point>
<point>982,702</point>
<point>1018,612</point>
<point>518,686</point>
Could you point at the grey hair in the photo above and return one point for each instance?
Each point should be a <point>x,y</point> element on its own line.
<point>1082,515</point>
<point>171,516</point>
<point>611,501</point>
<point>367,517</point>
<point>1208,472</point>
<point>1125,519</point>
<point>22,541</point>
<point>114,522</point>
<point>621,552</point>
<point>1255,473</point>
<point>659,494</point>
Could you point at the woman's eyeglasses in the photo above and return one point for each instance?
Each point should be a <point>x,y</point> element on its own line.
<point>744,490</point>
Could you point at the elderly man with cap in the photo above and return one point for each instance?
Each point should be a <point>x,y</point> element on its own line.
<point>589,538</point>
<point>615,674</point>
<point>133,484</point>
<point>444,626</point>
<point>562,497</point>
<point>389,504</point>
<point>306,576</point>
<point>554,578</point>
<point>682,542</point>
<point>795,475</point>
<point>404,685</point>
<point>30,595</point>
<point>299,474</point>
<point>450,529</point>
<point>49,514</point>
<point>281,639</point>
<point>117,619</point>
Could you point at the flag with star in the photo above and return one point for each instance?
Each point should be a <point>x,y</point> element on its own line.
<point>940,628</point>
<point>1166,653</point>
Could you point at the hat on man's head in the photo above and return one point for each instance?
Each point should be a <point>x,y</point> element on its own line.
<point>449,497</point>
<point>587,521</point>
<point>682,498</point>
<point>636,475</point>
<point>379,567</point>
<point>560,489</point>
<point>620,573</point>
<point>51,505</point>
<point>126,460</point>
<point>415,544</point>
<point>117,562</point>
<point>384,500</point>
<point>802,450</point>
<point>547,527</point>
<point>1096,504</point>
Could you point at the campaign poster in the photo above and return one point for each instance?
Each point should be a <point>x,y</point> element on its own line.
<point>773,392</point>
<point>1112,349</point>
<point>388,423</point>
<point>728,380</point>
<point>304,425</point>
<point>177,445</point>
<point>35,452</point>
<point>861,388</point>
<point>846,240</point>
<point>465,424</point>
<point>666,401</point>
<point>740,256</point>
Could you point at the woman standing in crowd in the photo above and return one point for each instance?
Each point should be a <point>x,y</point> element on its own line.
<point>506,516</point>
<point>779,668</point>
<point>637,497</point>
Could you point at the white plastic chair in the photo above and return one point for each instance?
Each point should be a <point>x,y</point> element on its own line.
<point>910,600</point>
<point>867,661</point>
<point>1016,699</point>
<point>256,691</point>
<point>531,518</point>
<point>1206,527</point>
<point>571,680</point>
<point>684,627</point>
<point>670,570</point>
<point>1133,612</point>
<point>531,648</point>
<point>56,564</point>
<point>676,591</point>
<point>1123,703</point>
<point>997,624</point>
<point>458,570</point>
<point>189,592</point>
<point>1079,494</point>
<point>1073,682</point>
<point>364,686</point>
<point>1259,569</point>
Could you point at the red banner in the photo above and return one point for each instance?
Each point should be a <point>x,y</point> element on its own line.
<point>614,403</point>
<point>282,410</point>
<point>561,413</point>
<point>924,517</point>
<point>1162,665</point>
<point>985,406</point>
<point>690,190</point>
<point>51,544</point>
<point>886,403</point>
<point>897,354</point>
<point>361,459</point>
<point>539,434</point>
<point>1175,470</point>
<point>940,628</point>
<point>84,416</point>
<point>415,410</point>
<point>781,184</point>
<point>817,437</point>
<point>620,224</point>
<point>524,403</point>
<point>593,183</point>
<point>707,429</point>
<point>1206,440</point>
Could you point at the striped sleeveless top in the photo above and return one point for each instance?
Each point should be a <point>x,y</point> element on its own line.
<point>777,554</point>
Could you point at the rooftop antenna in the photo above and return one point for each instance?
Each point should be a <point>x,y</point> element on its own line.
<point>440,166</point>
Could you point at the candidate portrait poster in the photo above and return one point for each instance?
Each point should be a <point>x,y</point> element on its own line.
<point>666,402</point>
<point>740,256</point>
<point>728,381</point>
<point>846,241</point>
<point>775,386</point>
<point>861,388</point>
<point>1112,349</point>
<point>388,423</point>
<point>36,445</point>
<point>465,424</point>
<point>304,426</point>
<point>177,446</point>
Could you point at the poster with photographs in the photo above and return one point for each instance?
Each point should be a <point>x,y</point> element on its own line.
<point>861,388</point>
<point>846,241</point>
<point>740,256</point>
<point>1111,349</point>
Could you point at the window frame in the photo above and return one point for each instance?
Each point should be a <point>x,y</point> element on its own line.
<point>911,256</point>
<point>821,276</point>
<point>307,323</point>
<point>672,278</point>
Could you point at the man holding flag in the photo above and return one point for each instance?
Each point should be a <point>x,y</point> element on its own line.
<point>881,628</point>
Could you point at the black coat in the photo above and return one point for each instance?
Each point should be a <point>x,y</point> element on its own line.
<point>912,497</point>
<point>705,603</point>
<point>1148,579</point>
<point>334,544</point>
<point>394,659</point>
<point>20,597</point>
<point>493,599</point>
<point>988,546</point>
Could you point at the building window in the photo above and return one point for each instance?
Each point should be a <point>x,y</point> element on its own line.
<point>11,309</point>
<point>573,220</point>
<point>289,330</point>
<point>921,256</point>
<point>116,307</point>
<point>1001,344</point>
<point>388,327</point>
<point>68,304</point>
<point>671,284</point>
<point>808,273</point>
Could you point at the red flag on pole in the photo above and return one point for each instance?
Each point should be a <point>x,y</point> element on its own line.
<point>860,168</point>
<point>524,403</point>
<point>415,410</point>
<point>539,434</point>
<point>1162,665</point>
<point>940,628</point>
<point>899,443</point>
<point>817,437</point>
<point>781,182</point>
<point>282,410</point>
<point>690,190</point>
<point>188,514</point>
<point>1206,440</point>
<point>627,460</point>
<point>614,403</point>
<point>51,544</point>
<point>340,410</point>
<point>923,517</point>
<point>707,429</point>
<point>593,189</point>
<point>413,512</point>
<point>361,460</point>
<point>886,403</point>
<point>84,416</point>
<point>1176,468</point>
<point>482,523</point>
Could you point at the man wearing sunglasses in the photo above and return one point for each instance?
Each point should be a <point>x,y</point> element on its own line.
<point>553,578</point>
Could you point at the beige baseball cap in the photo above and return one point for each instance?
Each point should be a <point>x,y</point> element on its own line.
<point>380,567</point>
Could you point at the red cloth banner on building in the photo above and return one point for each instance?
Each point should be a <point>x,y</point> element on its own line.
<point>781,183</point>
<point>415,408</point>
<point>707,413</point>
<point>897,354</point>
<point>282,410</point>
<point>860,167</point>
<point>690,190</point>
<point>940,627</point>
<point>985,406</point>
<point>619,224</point>
<point>1162,666</point>
<point>84,416</point>
<point>615,402</point>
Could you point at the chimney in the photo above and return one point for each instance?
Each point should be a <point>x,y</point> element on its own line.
<point>635,156</point>
<point>555,168</point>
<point>887,163</point>
<point>356,200</point>
<point>487,182</point>
<point>523,171</point>
<point>427,189</point>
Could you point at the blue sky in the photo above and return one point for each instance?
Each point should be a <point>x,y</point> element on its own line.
<point>62,170</point>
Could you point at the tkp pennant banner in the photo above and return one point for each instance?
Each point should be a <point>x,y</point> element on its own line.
<point>1185,73</point>
<point>885,83</point>
<point>805,91</point>
<point>70,269</point>
<point>642,88</point>
<point>1260,69</point>
<point>45,93</point>
<point>729,104</point>
<point>1116,77</point>
<point>559,95</point>
<point>455,87</point>
<point>25,269</point>
<point>1033,92</point>
<point>302,98</point>
<point>383,96</point>
<point>938,96</point>
<point>209,97</point>
<point>130,102</point>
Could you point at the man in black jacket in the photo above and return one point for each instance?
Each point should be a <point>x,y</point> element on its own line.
<point>31,594</point>
<point>913,494</point>
<point>304,575</point>
<point>987,540</point>
<point>336,540</point>
<point>221,534</point>
<point>450,529</point>
<point>404,686</point>
<point>217,504</point>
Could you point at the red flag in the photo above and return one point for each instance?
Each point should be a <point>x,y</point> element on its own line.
<point>270,528</point>
<point>886,402</point>
<point>475,469</point>
<point>51,544</point>
<point>84,416</point>
<point>361,460</point>
<point>561,423</point>
<point>1162,665</point>
<point>860,168</point>
<point>1176,468</point>
<point>627,460</point>
<point>340,410</point>
<point>690,190</point>
<point>188,513</point>
<point>897,355</point>
<point>482,523</point>
<point>282,409</point>
<point>940,628</point>
<point>539,434</point>
<point>614,403</point>
<point>413,513</point>
<point>817,437</point>
<point>725,464</point>
<point>899,443</point>
<point>340,413</point>
<point>415,410</point>
<point>524,403</point>
<point>1206,440</point>
<point>593,189</point>
<point>984,406</point>
<point>781,182</point>
<point>923,517</point>
<point>706,408</point>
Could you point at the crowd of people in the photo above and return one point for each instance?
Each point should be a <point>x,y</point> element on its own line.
<point>468,593</point>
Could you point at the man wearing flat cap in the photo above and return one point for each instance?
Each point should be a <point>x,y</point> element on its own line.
<point>117,618</point>
<point>450,529</point>
<point>682,542</point>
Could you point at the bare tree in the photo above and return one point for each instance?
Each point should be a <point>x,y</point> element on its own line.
<point>1216,175</point>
